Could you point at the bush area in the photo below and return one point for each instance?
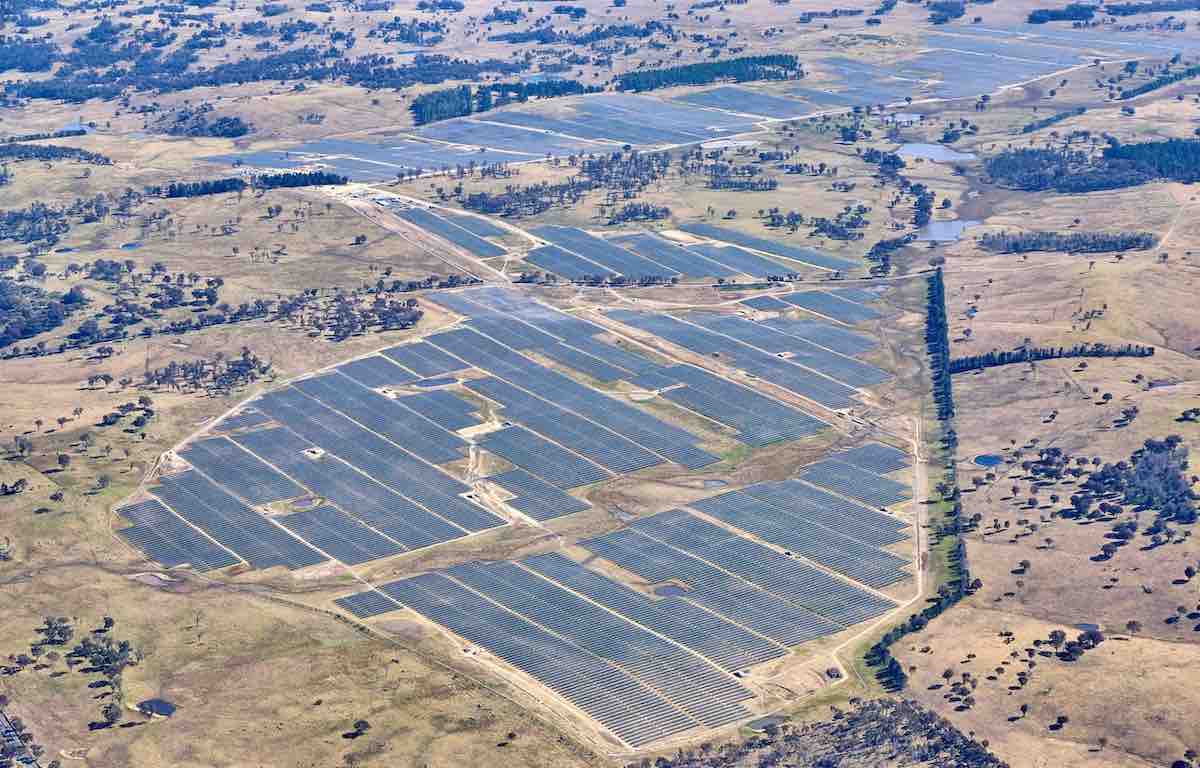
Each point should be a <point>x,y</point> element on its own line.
<point>463,100</point>
<point>235,184</point>
<point>26,310</point>
<point>1119,165</point>
<point>747,68</point>
<point>1071,242</point>
<point>1072,12</point>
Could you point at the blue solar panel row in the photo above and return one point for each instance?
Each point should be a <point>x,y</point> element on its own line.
<point>474,224</point>
<point>365,605</point>
<point>423,359</point>
<point>845,369</point>
<point>805,255</point>
<point>670,442</point>
<point>790,579</point>
<point>823,334</point>
<point>875,457</point>
<point>169,541</point>
<point>831,306</point>
<point>622,356</point>
<point>858,295</point>
<point>537,498</point>
<point>381,461</point>
<point>387,417</point>
<point>760,420</point>
<point>767,304</point>
<point>794,497</point>
<point>856,483</point>
<point>235,526</point>
<point>443,408</point>
<point>377,371</point>
<point>243,419</point>
<point>711,588</point>
<point>827,546</point>
<point>239,472</point>
<point>673,256</point>
<point>739,260</point>
<point>584,363</point>
<point>431,222</point>
<point>553,463</point>
<point>512,304</point>
<point>603,252</point>
<point>632,711</point>
<point>724,643</point>
<point>381,508</point>
<point>702,691</point>
<point>562,262</point>
<point>605,448</point>
<point>784,373</point>
<point>339,535</point>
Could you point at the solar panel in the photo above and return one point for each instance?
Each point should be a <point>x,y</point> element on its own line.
<point>447,230</point>
<point>831,306</point>
<point>774,247</point>
<point>239,472</point>
<point>672,256</point>
<point>444,408</point>
<point>423,359</point>
<point>168,540</point>
<point>602,252</point>
<point>243,419</point>
<point>365,605</point>
<point>339,535</point>
<point>766,304</point>
<point>562,262</point>
<point>235,526</point>
<point>539,456</point>
<point>874,457</point>
<point>376,371</point>
<point>856,483</point>
<point>537,498</point>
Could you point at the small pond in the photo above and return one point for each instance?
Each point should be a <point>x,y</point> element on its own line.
<point>938,153</point>
<point>989,460</point>
<point>158,707</point>
<point>130,246</point>
<point>670,590</point>
<point>943,231</point>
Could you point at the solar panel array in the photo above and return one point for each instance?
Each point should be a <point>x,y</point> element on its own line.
<point>243,473</point>
<point>443,408</point>
<point>584,363</point>
<point>828,546</point>
<point>376,371</point>
<point>766,304</point>
<point>789,375</point>
<point>339,535</point>
<point>706,694</point>
<point>805,255</point>
<point>236,526</point>
<point>875,457</point>
<point>243,419</point>
<point>602,252</point>
<point>423,359</point>
<point>847,370</point>
<point>537,498</point>
<point>549,461</point>
<point>450,231</point>
<point>169,541</point>
<point>562,262</point>
<point>739,260</point>
<point>364,605</point>
<point>859,295</point>
<point>823,334</point>
<point>672,256</point>
<point>726,644</point>
<point>831,306</point>
<point>475,224</point>
<point>856,483</point>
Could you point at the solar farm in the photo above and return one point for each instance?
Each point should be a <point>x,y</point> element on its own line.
<point>379,457</point>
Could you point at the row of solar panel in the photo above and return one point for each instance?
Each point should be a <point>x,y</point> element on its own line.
<point>856,483</point>
<point>452,231</point>
<point>535,497</point>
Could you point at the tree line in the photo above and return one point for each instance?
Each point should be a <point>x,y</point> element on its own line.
<point>66,133</point>
<point>50,152</point>
<point>1031,354</point>
<point>287,180</point>
<point>1154,6</point>
<point>937,344</point>
<point>744,69</point>
<point>1072,12</point>
<point>465,100</point>
<point>1162,81</point>
<point>1046,122</point>
<point>1070,242</point>
<point>549,36</point>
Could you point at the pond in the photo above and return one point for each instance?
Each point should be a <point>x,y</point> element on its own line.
<point>670,590</point>
<point>158,707</point>
<point>130,246</point>
<point>989,460</point>
<point>938,153</point>
<point>944,231</point>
